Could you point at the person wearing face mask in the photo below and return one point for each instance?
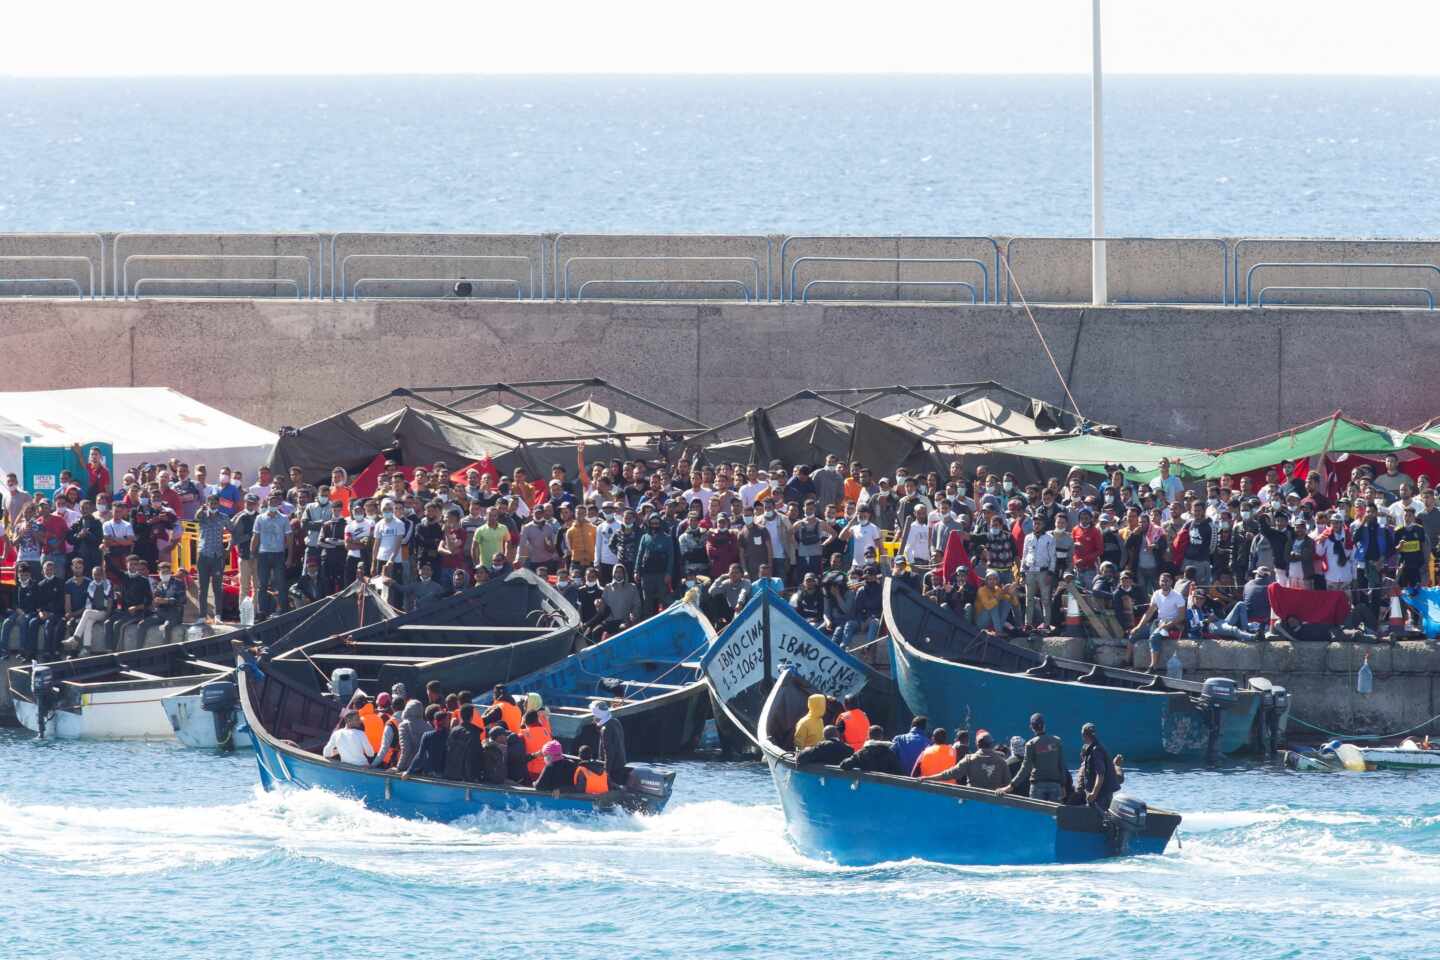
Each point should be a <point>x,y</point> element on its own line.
<point>588,602</point>
<point>390,545</point>
<point>268,541</point>
<point>654,562</point>
<point>605,533</point>
<point>755,546</point>
<point>782,541</point>
<point>169,596</point>
<point>136,604</point>
<point>17,628</point>
<point>619,605</point>
<point>15,499</point>
<point>722,547</point>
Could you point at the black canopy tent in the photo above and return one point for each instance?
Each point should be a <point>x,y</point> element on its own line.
<point>522,428</point>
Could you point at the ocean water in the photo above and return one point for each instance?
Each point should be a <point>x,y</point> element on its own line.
<point>919,155</point>
<point>145,850</point>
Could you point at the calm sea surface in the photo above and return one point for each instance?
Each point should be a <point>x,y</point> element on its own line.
<point>147,850</point>
<point>926,155</point>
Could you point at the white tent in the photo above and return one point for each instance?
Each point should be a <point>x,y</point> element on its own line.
<point>150,424</point>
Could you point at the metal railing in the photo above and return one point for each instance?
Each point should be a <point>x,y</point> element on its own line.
<point>1239,246</point>
<point>337,290</point>
<point>739,284</point>
<point>563,293</point>
<point>212,281</point>
<point>411,257</point>
<point>38,280</point>
<point>453,281</point>
<point>795,267</point>
<point>42,258</point>
<point>317,264</point>
<point>1330,265</point>
<point>1224,261</point>
<point>805,291</point>
<point>565,284</point>
<point>897,239</point>
<point>1429,296</point>
<point>98,261</point>
<point>123,292</point>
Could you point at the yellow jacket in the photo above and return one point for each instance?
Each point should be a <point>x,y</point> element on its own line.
<point>811,730</point>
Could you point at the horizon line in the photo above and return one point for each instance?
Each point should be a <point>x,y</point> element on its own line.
<point>448,75</point>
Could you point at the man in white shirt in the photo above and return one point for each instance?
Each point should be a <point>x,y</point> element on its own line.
<point>1167,609</point>
<point>863,534</point>
<point>605,556</point>
<point>756,483</point>
<point>349,745</point>
<point>1170,487</point>
<point>357,539</point>
<point>263,488</point>
<point>390,536</point>
<point>1037,563</point>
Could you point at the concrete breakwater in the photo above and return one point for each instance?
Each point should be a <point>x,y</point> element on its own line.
<point>1193,375</point>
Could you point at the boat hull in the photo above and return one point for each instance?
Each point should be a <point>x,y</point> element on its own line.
<point>857,819</point>
<point>1141,724</point>
<point>114,713</point>
<point>195,727</point>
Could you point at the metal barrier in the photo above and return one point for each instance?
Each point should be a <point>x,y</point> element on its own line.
<point>1224,260</point>
<point>337,290</point>
<point>805,291</point>
<point>1243,242</point>
<point>202,281</point>
<point>1320,264</point>
<point>124,292</point>
<point>744,290</point>
<point>345,264</point>
<point>897,239</point>
<point>316,264</point>
<point>1430,297</point>
<point>34,258</point>
<point>355,287</point>
<point>97,262</point>
<point>565,286</point>
<point>564,293</point>
<point>984,273</point>
<point>70,280</point>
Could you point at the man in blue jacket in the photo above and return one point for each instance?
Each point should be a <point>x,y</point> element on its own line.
<point>654,561</point>
<point>909,745</point>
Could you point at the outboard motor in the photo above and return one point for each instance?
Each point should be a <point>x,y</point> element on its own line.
<point>647,788</point>
<point>1274,705</point>
<point>1215,694</point>
<point>1124,821</point>
<point>221,699</point>
<point>42,689</point>
<point>343,681</point>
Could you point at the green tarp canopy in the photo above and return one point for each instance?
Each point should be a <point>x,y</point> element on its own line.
<point>1092,451</point>
<point>1331,435</point>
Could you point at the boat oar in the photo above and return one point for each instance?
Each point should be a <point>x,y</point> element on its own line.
<point>323,675</point>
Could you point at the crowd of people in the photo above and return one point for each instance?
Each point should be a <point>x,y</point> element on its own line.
<point>506,743</point>
<point>841,735</point>
<point>622,539</point>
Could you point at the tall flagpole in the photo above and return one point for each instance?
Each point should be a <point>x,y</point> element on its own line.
<point>1099,292</point>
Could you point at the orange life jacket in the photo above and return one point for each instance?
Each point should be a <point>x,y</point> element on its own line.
<point>478,721</point>
<point>591,782</point>
<point>937,758</point>
<point>388,759</point>
<point>856,727</point>
<point>535,738</point>
<point>374,727</point>
<point>545,724</point>
<point>510,715</point>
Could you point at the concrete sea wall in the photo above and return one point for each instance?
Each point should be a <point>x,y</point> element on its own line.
<point>1193,375</point>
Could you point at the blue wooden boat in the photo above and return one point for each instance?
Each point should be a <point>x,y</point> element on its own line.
<point>864,818</point>
<point>650,676</point>
<point>958,676</point>
<point>766,636</point>
<point>289,724</point>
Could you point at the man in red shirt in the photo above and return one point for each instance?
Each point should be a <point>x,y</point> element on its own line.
<point>1089,545</point>
<point>96,470</point>
<point>53,529</point>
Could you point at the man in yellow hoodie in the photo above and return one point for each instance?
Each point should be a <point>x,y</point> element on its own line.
<point>811,729</point>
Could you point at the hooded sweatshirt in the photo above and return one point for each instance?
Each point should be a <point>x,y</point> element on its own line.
<point>811,730</point>
<point>412,728</point>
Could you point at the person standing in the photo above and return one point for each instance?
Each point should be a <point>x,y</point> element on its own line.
<point>1037,563</point>
<point>210,556</point>
<point>242,531</point>
<point>654,561</point>
<point>1098,781</point>
<point>267,546</point>
<point>388,537</point>
<point>1043,767</point>
<point>612,744</point>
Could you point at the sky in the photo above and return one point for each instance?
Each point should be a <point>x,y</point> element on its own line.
<point>359,37</point>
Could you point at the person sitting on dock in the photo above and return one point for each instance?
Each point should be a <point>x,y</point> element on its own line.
<point>348,744</point>
<point>1167,609</point>
<point>136,599</point>
<point>429,758</point>
<point>936,758</point>
<point>876,755</point>
<point>985,768</point>
<point>810,728</point>
<point>829,752</point>
<point>853,723</point>
<point>993,603</point>
<point>909,745</point>
<point>1043,767</point>
<point>559,774</point>
<point>169,592</point>
<point>809,600</point>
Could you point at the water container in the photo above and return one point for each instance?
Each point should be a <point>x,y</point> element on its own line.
<point>196,631</point>
<point>1174,668</point>
<point>1365,677</point>
<point>247,612</point>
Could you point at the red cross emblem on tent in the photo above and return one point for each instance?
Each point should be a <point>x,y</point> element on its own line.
<point>52,426</point>
<point>198,421</point>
